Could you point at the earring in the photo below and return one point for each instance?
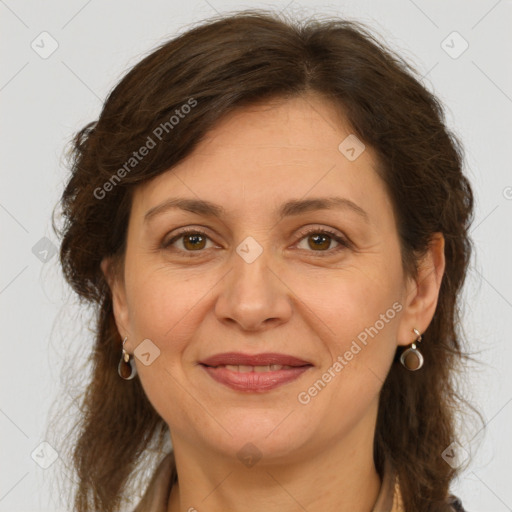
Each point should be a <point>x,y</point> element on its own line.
<point>412,358</point>
<point>126,367</point>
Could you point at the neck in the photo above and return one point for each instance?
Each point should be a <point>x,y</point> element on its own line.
<point>339,476</point>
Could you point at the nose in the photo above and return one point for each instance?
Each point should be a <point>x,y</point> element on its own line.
<point>253,296</point>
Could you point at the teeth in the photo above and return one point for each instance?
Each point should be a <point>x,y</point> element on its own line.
<point>243,368</point>
<point>261,368</point>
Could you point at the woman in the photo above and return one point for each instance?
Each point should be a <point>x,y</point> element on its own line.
<point>272,221</point>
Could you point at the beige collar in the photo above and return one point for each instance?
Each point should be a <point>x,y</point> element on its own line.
<point>157,494</point>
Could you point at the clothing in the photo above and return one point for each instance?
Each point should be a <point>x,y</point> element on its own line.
<point>157,494</point>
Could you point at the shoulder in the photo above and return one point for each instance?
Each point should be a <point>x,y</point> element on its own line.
<point>157,492</point>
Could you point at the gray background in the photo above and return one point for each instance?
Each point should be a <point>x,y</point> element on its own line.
<point>46,98</point>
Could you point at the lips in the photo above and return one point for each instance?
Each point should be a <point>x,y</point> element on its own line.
<point>254,373</point>
<point>266,359</point>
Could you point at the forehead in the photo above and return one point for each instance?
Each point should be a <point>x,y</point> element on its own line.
<point>264,154</point>
<point>303,125</point>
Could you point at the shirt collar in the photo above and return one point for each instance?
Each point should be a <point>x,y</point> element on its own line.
<point>156,497</point>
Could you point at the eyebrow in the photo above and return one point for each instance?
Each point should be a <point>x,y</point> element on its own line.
<point>288,209</point>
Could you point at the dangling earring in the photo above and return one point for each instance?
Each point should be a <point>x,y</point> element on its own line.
<point>412,358</point>
<point>126,367</point>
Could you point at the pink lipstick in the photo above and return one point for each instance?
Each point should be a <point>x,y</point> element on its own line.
<point>254,373</point>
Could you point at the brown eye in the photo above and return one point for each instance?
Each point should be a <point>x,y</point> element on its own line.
<point>191,241</point>
<point>194,242</point>
<point>320,240</point>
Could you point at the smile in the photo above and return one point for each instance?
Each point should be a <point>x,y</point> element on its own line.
<point>254,378</point>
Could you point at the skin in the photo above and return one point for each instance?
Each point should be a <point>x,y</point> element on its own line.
<point>295,298</point>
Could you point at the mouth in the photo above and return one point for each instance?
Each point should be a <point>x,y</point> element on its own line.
<point>254,373</point>
<point>265,359</point>
<point>244,368</point>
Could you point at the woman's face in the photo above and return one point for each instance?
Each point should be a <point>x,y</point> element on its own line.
<point>253,282</point>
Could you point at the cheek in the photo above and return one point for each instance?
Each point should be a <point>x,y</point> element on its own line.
<point>163,305</point>
<point>163,308</point>
<point>350,301</point>
<point>360,320</point>
<point>359,310</point>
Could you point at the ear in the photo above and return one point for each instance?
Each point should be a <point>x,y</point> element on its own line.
<point>422,293</point>
<point>115,282</point>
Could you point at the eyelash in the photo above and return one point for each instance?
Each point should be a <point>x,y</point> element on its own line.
<point>343,243</point>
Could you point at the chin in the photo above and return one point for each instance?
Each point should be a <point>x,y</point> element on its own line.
<point>272,437</point>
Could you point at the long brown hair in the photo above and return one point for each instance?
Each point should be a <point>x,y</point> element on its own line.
<point>214,68</point>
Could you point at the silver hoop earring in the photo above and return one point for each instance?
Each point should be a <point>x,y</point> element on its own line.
<point>126,367</point>
<point>412,358</point>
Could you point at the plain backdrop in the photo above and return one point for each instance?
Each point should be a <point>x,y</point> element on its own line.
<point>60,59</point>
